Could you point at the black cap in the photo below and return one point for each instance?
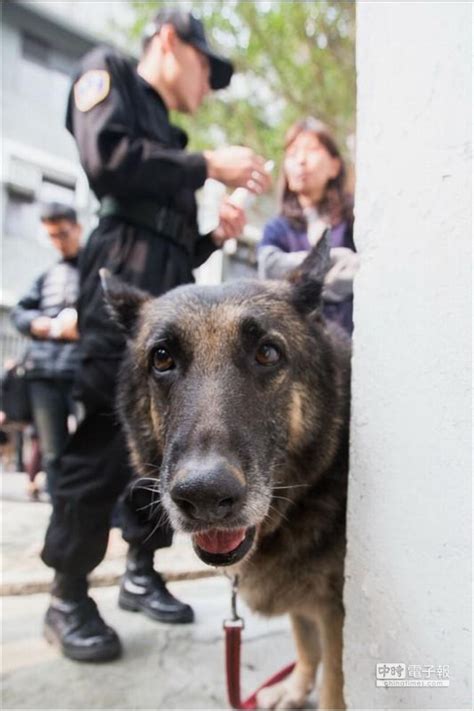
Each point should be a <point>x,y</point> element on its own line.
<point>191,30</point>
<point>52,211</point>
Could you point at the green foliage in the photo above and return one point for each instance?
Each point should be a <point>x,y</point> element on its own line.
<point>293,59</point>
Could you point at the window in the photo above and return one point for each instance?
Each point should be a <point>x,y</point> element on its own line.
<point>56,191</point>
<point>22,213</point>
<point>21,216</point>
<point>45,75</point>
<point>36,50</point>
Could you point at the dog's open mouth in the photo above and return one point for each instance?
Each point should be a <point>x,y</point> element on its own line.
<point>220,546</point>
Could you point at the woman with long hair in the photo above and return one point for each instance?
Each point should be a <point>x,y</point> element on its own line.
<point>315,211</point>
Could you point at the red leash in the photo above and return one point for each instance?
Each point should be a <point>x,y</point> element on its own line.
<point>233,633</point>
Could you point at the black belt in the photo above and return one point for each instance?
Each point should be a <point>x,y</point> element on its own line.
<point>146,213</point>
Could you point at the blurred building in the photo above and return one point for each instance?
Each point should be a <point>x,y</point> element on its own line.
<point>39,162</point>
<point>42,43</point>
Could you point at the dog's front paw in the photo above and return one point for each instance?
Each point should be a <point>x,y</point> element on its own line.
<point>288,694</point>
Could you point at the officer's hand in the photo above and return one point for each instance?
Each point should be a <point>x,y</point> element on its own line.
<point>231,222</point>
<point>41,326</point>
<point>238,167</point>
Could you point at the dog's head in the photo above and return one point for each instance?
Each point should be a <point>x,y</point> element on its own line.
<point>222,390</point>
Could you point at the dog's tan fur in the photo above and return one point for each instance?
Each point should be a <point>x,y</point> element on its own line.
<point>293,460</point>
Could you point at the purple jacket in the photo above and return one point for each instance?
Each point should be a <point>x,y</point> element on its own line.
<point>278,233</point>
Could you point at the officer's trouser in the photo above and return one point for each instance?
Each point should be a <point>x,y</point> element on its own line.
<point>93,469</point>
<point>93,474</point>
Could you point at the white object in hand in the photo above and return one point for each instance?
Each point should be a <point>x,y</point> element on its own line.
<point>67,318</point>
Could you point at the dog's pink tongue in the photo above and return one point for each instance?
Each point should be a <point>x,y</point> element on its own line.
<point>219,541</point>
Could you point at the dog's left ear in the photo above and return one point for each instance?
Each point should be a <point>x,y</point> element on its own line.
<point>307,286</point>
<point>123,301</point>
<point>306,295</point>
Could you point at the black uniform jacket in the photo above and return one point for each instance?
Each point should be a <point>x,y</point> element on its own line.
<point>131,152</point>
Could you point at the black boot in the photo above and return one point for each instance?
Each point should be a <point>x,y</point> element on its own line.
<point>143,589</point>
<point>74,624</point>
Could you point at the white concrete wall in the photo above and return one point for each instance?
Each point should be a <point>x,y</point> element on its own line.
<point>408,590</point>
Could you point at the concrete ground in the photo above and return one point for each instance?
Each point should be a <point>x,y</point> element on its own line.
<point>163,666</point>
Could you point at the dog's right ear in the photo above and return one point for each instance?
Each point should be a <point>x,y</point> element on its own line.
<point>306,294</point>
<point>122,300</point>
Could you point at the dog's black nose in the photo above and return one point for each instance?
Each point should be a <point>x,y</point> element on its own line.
<point>208,492</point>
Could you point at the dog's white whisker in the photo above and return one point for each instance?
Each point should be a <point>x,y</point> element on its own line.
<point>137,483</point>
<point>279,514</point>
<point>162,519</point>
<point>283,498</point>
<point>152,466</point>
<point>148,506</point>
<point>146,488</point>
<point>291,486</point>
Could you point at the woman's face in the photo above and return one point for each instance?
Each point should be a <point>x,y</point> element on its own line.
<point>309,166</point>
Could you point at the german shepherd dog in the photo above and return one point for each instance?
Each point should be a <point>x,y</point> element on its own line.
<point>239,396</point>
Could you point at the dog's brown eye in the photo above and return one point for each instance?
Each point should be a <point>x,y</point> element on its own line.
<point>162,360</point>
<point>267,355</point>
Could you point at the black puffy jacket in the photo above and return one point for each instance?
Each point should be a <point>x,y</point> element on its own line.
<point>52,292</point>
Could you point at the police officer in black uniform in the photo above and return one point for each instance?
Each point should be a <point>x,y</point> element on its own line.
<point>138,167</point>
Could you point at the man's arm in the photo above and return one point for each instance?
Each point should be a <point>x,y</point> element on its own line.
<point>275,260</point>
<point>274,263</point>
<point>27,309</point>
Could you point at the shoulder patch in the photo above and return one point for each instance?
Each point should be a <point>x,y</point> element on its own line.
<point>92,88</point>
